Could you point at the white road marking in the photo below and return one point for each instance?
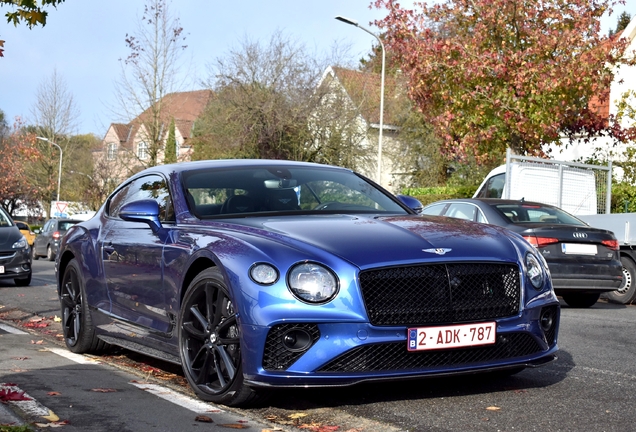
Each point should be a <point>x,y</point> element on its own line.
<point>77,358</point>
<point>192,404</point>
<point>31,407</point>
<point>10,329</point>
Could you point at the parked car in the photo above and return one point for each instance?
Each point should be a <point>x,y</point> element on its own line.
<point>47,242</point>
<point>584,261</point>
<point>26,231</point>
<point>254,274</point>
<point>15,260</point>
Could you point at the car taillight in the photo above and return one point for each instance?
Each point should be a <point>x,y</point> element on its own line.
<point>56,235</point>
<point>611,244</point>
<point>540,241</point>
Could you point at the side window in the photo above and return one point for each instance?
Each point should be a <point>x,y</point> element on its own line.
<point>493,187</point>
<point>434,210</point>
<point>49,226</point>
<point>118,200</point>
<point>462,211</point>
<point>147,187</point>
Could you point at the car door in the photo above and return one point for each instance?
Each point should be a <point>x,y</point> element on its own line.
<point>132,256</point>
<point>42,240</point>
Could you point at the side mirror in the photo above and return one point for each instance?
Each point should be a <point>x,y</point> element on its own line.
<point>146,211</point>
<point>412,203</point>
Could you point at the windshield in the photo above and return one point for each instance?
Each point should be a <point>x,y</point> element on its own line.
<point>5,219</point>
<point>221,192</point>
<point>536,213</point>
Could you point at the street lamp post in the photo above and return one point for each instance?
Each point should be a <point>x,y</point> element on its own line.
<point>59,173</point>
<point>355,23</point>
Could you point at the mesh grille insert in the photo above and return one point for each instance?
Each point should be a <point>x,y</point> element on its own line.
<point>275,356</point>
<point>395,357</point>
<point>439,293</point>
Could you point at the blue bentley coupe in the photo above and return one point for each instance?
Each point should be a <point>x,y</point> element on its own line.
<point>255,274</point>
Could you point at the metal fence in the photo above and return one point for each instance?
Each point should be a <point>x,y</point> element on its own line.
<point>575,187</point>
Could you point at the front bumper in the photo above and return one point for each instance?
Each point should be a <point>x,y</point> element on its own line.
<point>15,264</point>
<point>350,353</point>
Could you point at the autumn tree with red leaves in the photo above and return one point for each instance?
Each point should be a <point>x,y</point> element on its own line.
<point>491,74</point>
<point>17,150</point>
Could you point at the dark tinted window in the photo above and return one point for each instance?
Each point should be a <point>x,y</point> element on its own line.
<point>147,187</point>
<point>525,213</point>
<point>493,187</point>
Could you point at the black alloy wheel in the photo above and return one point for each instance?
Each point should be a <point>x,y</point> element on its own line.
<point>626,293</point>
<point>209,342</point>
<point>77,328</point>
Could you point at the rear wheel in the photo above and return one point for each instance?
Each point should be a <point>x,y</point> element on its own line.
<point>77,326</point>
<point>627,291</point>
<point>210,343</point>
<point>584,300</point>
<point>49,254</point>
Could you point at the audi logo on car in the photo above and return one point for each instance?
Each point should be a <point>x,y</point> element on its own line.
<point>579,235</point>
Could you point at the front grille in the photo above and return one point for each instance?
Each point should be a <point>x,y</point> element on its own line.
<point>439,293</point>
<point>278,357</point>
<point>395,357</point>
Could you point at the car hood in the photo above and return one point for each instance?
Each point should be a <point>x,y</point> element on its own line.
<point>369,241</point>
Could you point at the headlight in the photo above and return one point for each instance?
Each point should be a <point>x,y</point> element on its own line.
<point>20,244</point>
<point>534,271</point>
<point>312,283</point>
<point>263,274</point>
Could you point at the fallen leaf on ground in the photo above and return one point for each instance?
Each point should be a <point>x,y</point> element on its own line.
<point>40,342</point>
<point>20,358</point>
<point>234,426</point>
<point>52,417</point>
<point>55,424</point>
<point>493,408</point>
<point>203,419</point>
<point>57,319</point>
<point>7,395</point>
<point>36,319</point>
<point>297,416</point>
<point>54,393</point>
<point>104,390</point>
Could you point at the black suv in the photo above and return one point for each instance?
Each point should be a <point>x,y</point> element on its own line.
<point>48,240</point>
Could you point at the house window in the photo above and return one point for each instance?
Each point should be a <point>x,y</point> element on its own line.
<point>112,151</point>
<point>142,150</point>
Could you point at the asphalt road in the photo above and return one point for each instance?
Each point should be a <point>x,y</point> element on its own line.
<point>591,387</point>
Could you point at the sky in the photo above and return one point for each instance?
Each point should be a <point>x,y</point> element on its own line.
<point>83,41</point>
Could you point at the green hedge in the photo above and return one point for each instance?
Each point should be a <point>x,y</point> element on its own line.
<point>623,194</point>
<point>431,194</point>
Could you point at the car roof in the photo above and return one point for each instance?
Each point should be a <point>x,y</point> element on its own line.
<point>492,201</point>
<point>230,163</point>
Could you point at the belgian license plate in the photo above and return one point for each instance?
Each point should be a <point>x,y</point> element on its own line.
<point>454,336</point>
<point>578,249</point>
<point>1,269</point>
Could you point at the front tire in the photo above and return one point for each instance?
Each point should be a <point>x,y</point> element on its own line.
<point>584,300</point>
<point>23,282</point>
<point>34,255</point>
<point>77,325</point>
<point>627,291</point>
<point>210,343</point>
